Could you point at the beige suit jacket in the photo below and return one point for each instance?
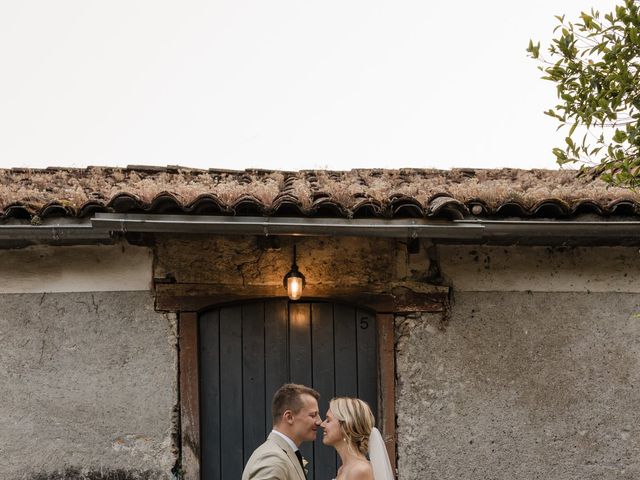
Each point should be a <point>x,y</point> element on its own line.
<point>273,460</point>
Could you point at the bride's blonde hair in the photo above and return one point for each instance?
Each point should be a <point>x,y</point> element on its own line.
<point>356,421</point>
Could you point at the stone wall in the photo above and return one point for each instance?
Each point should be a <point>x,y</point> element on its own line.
<point>535,373</point>
<point>88,387</point>
<point>88,373</point>
<point>249,260</point>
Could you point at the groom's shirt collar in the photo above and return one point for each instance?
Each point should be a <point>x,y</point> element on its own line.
<point>287,439</point>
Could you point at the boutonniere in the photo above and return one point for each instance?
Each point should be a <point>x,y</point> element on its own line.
<point>304,466</point>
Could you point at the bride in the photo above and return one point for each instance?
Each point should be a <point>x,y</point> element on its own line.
<point>349,428</point>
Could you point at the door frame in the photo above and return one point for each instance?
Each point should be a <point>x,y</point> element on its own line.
<point>188,305</point>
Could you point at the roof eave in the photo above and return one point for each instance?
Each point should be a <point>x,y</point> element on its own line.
<point>105,227</point>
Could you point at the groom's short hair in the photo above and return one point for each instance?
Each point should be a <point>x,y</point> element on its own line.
<point>287,397</point>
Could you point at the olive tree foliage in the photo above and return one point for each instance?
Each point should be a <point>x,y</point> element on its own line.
<point>595,64</point>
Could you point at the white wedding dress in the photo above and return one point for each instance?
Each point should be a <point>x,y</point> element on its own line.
<point>378,457</point>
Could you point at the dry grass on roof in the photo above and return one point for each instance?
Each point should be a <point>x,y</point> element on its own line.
<point>74,187</point>
<point>530,187</point>
<point>494,187</point>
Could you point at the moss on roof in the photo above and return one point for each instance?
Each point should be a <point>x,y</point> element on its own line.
<point>75,187</point>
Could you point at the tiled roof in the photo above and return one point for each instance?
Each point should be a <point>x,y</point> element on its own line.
<point>365,193</point>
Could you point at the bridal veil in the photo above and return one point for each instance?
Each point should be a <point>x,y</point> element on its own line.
<point>378,457</point>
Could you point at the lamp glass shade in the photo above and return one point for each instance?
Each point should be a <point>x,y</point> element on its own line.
<point>294,287</point>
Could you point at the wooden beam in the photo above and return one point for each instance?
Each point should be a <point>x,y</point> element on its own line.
<point>189,394</point>
<point>387,390</point>
<point>380,298</point>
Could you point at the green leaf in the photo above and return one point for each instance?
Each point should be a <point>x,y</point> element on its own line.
<point>619,136</point>
<point>534,50</point>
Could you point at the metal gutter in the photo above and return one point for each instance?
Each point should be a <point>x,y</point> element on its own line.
<point>409,228</point>
<point>58,232</point>
<point>102,226</point>
<point>556,229</point>
<point>498,231</point>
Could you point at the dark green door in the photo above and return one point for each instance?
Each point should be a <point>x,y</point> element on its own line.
<point>247,351</point>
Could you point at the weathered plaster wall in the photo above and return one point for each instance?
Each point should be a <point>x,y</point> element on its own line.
<point>536,374</point>
<point>541,269</point>
<point>87,387</point>
<point>87,268</point>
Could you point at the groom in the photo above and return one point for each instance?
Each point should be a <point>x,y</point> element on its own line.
<point>295,420</point>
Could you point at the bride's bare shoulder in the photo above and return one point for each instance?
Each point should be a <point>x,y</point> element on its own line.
<point>360,471</point>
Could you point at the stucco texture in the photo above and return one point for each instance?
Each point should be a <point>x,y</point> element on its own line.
<point>87,386</point>
<point>521,385</point>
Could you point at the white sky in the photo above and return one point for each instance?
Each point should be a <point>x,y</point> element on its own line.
<point>277,84</point>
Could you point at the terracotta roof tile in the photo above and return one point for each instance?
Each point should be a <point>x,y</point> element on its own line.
<point>363,193</point>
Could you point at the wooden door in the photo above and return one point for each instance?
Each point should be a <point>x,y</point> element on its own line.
<point>248,351</point>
